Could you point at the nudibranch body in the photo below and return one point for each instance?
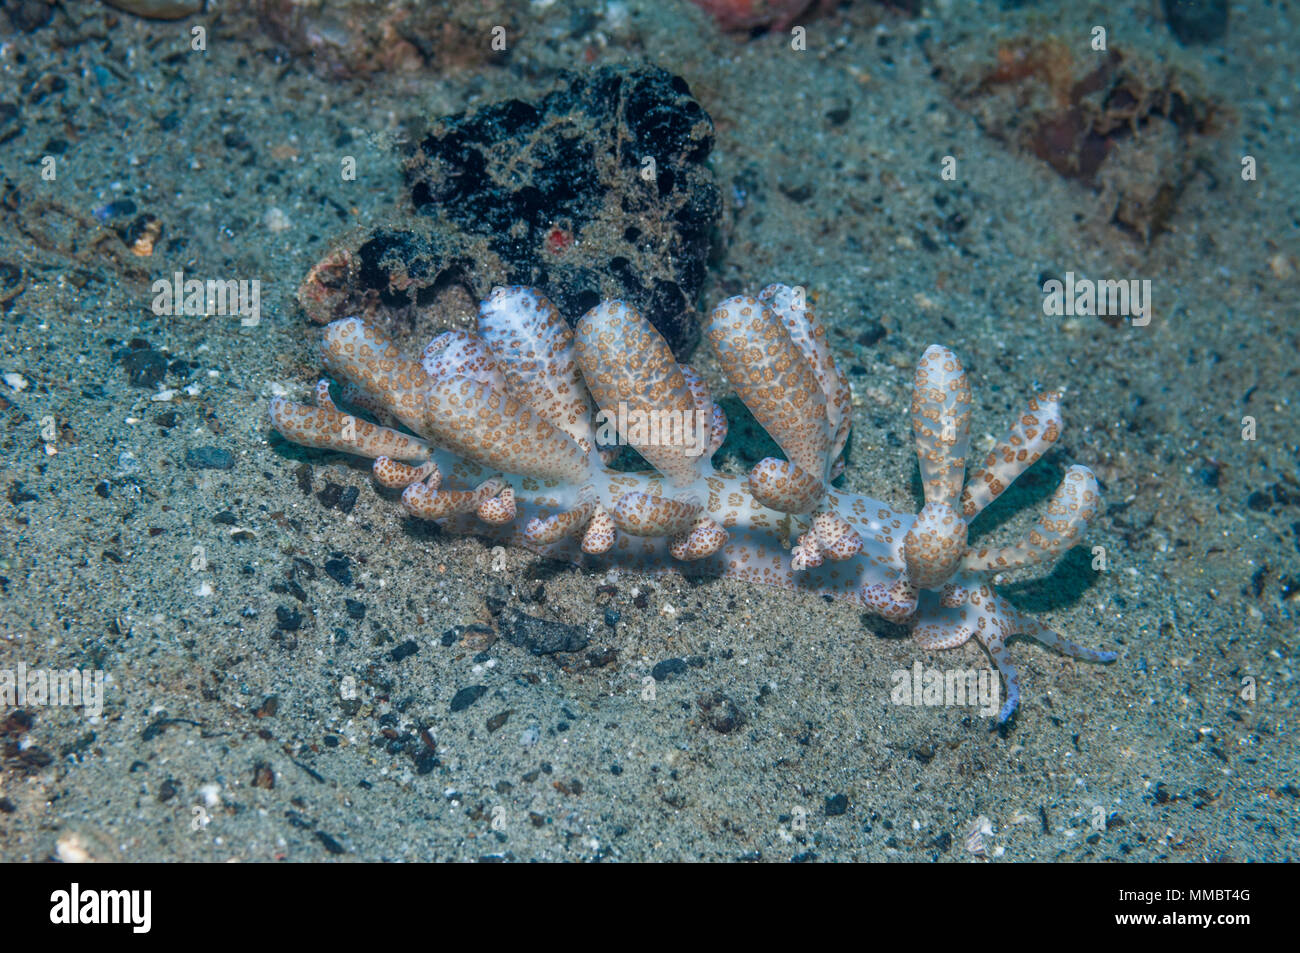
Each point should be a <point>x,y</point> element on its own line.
<point>507,432</point>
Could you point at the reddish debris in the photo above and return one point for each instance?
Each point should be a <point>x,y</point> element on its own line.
<point>558,240</point>
<point>753,14</point>
<point>324,292</point>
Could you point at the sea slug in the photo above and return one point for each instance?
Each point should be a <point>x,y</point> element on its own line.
<point>507,432</point>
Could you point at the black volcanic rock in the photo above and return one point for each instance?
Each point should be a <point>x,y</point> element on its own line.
<point>599,189</point>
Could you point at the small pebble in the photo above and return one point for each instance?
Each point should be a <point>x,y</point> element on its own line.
<point>668,668</point>
<point>144,367</point>
<point>339,571</point>
<point>142,235</point>
<point>467,696</point>
<point>276,221</point>
<point>209,458</point>
<point>406,650</point>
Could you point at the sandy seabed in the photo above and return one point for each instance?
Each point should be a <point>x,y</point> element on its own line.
<point>294,669</point>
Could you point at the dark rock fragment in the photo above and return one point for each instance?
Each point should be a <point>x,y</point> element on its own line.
<point>542,636</point>
<point>144,366</point>
<point>1196,21</point>
<point>286,619</point>
<point>467,696</point>
<point>405,650</point>
<point>29,15</point>
<point>329,496</point>
<point>668,668</point>
<point>330,844</point>
<point>209,458</point>
<point>339,570</point>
